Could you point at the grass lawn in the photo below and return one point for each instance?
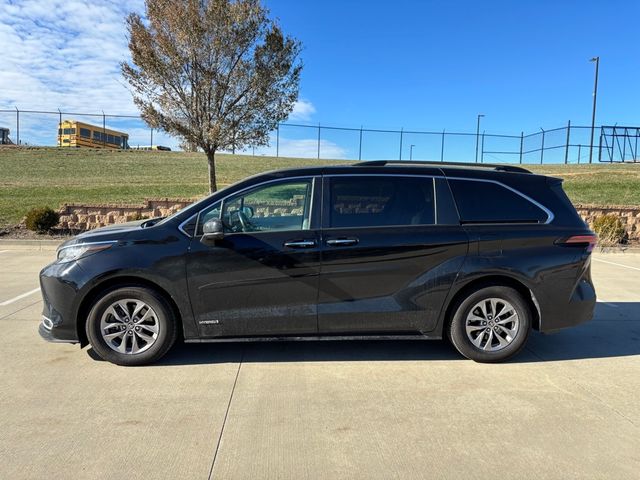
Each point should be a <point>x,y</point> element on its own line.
<point>51,176</point>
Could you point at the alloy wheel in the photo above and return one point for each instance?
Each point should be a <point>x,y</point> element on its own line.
<point>129,326</point>
<point>492,324</point>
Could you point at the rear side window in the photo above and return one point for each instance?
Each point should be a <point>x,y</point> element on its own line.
<point>488,202</point>
<point>379,201</point>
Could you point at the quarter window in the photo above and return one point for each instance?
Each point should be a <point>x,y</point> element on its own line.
<point>379,201</point>
<point>489,202</point>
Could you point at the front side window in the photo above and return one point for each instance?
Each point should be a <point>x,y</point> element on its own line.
<point>280,206</point>
<point>381,201</point>
<point>489,202</point>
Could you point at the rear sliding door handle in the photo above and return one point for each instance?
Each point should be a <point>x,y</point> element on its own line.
<point>300,244</point>
<point>342,242</point>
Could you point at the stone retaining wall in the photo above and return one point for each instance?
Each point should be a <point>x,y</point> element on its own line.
<point>87,217</point>
<point>630,216</point>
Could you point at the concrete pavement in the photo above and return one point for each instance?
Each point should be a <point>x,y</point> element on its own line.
<point>565,408</point>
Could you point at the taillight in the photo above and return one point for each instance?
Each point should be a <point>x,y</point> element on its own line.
<point>589,241</point>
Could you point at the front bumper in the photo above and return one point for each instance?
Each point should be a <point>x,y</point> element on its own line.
<point>60,285</point>
<point>48,335</point>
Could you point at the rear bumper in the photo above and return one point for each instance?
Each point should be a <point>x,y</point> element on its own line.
<point>579,309</point>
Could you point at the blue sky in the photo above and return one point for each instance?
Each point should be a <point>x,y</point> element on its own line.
<point>437,64</point>
<point>420,65</point>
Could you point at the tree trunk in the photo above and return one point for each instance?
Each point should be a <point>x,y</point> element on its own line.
<point>211,159</point>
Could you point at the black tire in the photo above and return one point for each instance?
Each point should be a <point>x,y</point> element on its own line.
<point>166,326</point>
<point>457,328</point>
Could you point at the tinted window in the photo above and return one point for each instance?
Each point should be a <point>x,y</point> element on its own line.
<point>85,132</point>
<point>488,202</point>
<point>379,201</point>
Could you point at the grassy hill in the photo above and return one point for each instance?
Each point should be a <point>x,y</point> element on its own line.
<point>51,176</point>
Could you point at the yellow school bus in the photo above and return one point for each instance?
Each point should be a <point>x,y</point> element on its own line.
<point>79,134</point>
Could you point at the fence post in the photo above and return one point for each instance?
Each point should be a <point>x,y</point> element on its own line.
<point>104,128</point>
<point>17,126</point>
<point>482,148</point>
<point>318,140</point>
<point>579,149</point>
<point>152,138</point>
<point>600,145</point>
<point>521,145</point>
<point>59,127</point>
<point>542,147</point>
<point>442,148</point>
<point>566,149</point>
<point>278,141</point>
<point>401,133</point>
<point>360,145</point>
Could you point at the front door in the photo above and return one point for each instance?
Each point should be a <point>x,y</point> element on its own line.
<point>388,260</point>
<point>261,279</point>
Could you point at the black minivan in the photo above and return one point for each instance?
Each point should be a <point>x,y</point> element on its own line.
<point>480,254</point>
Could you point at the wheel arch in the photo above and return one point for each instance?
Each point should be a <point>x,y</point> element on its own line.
<point>119,282</point>
<point>494,280</point>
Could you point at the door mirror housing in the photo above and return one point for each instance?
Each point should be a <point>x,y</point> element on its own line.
<point>212,231</point>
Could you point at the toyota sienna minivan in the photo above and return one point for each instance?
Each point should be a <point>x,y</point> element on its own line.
<point>480,254</point>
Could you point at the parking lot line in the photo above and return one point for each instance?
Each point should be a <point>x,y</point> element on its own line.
<point>15,299</point>
<point>617,264</point>
<point>4,251</point>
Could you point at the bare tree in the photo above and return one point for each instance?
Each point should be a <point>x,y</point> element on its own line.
<point>219,74</point>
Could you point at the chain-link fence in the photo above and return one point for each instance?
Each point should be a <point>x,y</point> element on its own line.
<point>567,144</point>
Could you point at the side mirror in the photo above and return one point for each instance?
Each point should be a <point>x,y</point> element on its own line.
<point>212,231</point>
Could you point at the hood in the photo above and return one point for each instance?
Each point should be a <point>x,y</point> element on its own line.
<point>116,227</point>
<point>116,231</point>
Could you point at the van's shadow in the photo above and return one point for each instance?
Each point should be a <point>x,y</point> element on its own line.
<point>614,332</point>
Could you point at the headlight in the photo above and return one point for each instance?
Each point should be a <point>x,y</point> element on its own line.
<point>74,252</point>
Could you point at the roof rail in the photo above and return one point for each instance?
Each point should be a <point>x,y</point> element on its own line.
<point>497,167</point>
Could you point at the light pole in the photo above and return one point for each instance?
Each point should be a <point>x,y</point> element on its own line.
<point>411,152</point>
<point>478,135</point>
<point>595,98</point>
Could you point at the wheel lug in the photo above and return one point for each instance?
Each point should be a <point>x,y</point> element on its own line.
<point>488,329</point>
<point>137,328</point>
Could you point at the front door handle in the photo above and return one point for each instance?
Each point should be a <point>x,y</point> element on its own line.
<point>300,244</point>
<point>342,242</point>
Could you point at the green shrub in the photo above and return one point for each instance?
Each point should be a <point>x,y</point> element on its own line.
<point>610,230</point>
<point>41,220</point>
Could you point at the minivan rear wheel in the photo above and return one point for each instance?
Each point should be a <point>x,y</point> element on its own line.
<point>490,324</point>
<point>131,326</point>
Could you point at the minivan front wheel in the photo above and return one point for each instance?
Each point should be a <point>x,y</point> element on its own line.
<point>131,326</point>
<point>491,324</point>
